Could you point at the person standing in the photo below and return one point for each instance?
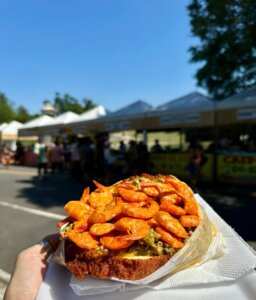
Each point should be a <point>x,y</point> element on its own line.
<point>76,170</point>
<point>5,155</point>
<point>41,151</point>
<point>195,163</point>
<point>57,157</point>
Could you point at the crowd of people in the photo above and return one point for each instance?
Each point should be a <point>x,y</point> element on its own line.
<point>85,158</point>
<point>8,156</point>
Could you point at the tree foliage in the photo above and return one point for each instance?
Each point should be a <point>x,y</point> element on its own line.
<point>7,113</point>
<point>62,104</point>
<point>68,103</point>
<point>22,115</point>
<point>227,49</point>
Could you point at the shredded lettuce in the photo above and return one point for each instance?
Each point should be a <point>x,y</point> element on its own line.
<point>151,245</point>
<point>64,229</point>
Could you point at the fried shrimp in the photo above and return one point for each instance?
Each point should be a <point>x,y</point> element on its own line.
<point>150,189</point>
<point>85,195</point>
<point>172,208</point>
<point>78,210</point>
<point>105,213</point>
<point>81,225</point>
<point>84,240</point>
<point>171,197</point>
<point>101,228</point>
<point>98,198</point>
<point>171,224</point>
<point>168,238</point>
<point>140,211</point>
<point>136,229</point>
<point>115,242</point>
<point>145,211</point>
<point>131,195</point>
<point>190,221</point>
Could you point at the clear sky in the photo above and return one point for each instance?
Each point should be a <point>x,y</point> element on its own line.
<point>111,51</point>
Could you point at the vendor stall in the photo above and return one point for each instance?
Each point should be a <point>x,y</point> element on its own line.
<point>9,134</point>
<point>33,128</point>
<point>59,126</point>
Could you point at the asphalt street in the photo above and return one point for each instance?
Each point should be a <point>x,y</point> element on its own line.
<point>30,208</point>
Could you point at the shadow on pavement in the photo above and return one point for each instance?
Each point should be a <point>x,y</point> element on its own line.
<point>52,190</point>
<point>236,204</point>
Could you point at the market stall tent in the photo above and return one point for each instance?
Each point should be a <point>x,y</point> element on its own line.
<point>87,121</point>
<point>9,133</point>
<point>2,126</point>
<point>126,118</point>
<point>58,126</point>
<point>237,109</point>
<point>33,128</point>
<point>191,110</point>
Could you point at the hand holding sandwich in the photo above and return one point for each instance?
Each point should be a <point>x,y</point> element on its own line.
<point>30,269</point>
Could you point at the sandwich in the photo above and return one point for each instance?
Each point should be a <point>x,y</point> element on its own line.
<point>130,229</point>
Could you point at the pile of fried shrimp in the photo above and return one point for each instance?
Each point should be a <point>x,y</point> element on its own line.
<point>116,216</point>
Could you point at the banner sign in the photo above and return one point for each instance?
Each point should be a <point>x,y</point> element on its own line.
<point>246,114</point>
<point>237,167</point>
<point>118,126</point>
<point>180,118</point>
<point>177,164</point>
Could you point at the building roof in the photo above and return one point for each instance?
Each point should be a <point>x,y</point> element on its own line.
<point>11,128</point>
<point>192,101</point>
<point>244,99</point>
<point>94,113</point>
<point>65,118</point>
<point>136,107</point>
<point>38,122</point>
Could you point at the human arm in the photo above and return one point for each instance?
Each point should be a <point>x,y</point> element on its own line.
<point>29,270</point>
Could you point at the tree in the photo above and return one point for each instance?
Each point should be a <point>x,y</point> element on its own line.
<point>88,104</point>
<point>68,103</point>
<point>227,51</point>
<point>6,110</point>
<point>22,115</point>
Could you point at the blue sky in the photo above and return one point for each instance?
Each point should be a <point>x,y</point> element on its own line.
<point>111,51</point>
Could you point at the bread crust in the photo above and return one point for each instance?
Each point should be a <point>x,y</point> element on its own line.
<point>108,266</point>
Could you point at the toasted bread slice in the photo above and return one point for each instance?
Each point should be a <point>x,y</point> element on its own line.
<point>109,266</point>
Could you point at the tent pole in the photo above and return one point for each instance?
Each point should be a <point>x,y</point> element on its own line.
<point>216,138</point>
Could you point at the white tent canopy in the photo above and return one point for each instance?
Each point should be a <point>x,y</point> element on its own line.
<point>38,122</point>
<point>94,113</point>
<point>11,128</point>
<point>64,118</point>
<point>79,124</point>
<point>57,125</point>
<point>3,125</point>
<point>32,128</point>
<point>9,133</point>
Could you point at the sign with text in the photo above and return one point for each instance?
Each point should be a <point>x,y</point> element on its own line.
<point>180,118</point>
<point>177,164</point>
<point>118,126</point>
<point>237,166</point>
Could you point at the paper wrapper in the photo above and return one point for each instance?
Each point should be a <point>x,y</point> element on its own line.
<point>205,244</point>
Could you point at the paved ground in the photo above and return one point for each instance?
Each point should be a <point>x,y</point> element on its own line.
<point>30,209</point>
